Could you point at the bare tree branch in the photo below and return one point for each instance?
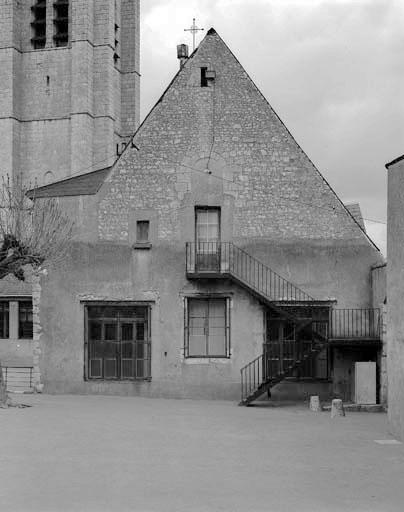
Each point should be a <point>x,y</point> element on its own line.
<point>31,231</point>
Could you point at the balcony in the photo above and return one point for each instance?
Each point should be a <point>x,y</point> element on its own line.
<point>350,325</point>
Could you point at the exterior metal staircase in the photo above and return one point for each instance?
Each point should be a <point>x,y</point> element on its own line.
<point>279,360</point>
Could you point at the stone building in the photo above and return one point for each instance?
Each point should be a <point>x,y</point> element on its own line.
<point>173,283</point>
<point>69,84</point>
<point>69,100</point>
<point>395,282</point>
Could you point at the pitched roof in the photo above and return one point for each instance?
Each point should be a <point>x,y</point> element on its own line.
<point>395,161</point>
<point>85,184</point>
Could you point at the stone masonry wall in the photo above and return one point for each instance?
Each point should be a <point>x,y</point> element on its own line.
<point>270,185</point>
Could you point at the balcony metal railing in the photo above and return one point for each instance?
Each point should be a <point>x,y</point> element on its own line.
<point>355,324</point>
<point>279,360</point>
<point>224,258</point>
<point>252,377</point>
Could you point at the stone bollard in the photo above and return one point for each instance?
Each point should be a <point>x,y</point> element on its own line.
<point>315,405</point>
<point>337,408</point>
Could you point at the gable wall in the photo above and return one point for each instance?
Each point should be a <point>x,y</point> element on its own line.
<point>261,174</point>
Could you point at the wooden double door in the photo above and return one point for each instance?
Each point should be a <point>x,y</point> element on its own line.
<point>118,342</point>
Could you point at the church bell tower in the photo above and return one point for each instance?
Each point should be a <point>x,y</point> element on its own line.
<point>69,85</point>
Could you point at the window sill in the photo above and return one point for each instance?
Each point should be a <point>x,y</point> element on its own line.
<point>15,340</point>
<point>207,360</point>
<point>142,245</point>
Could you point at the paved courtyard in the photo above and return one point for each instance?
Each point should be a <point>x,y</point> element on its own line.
<point>97,453</point>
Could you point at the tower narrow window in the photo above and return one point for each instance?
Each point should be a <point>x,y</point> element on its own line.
<point>38,25</point>
<point>117,34</point>
<point>61,22</point>
<point>116,47</point>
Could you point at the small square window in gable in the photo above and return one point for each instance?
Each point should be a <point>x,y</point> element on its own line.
<point>142,231</point>
<point>142,235</point>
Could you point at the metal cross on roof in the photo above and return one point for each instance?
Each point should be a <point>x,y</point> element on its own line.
<point>194,30</point>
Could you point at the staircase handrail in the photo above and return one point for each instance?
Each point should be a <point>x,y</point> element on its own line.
<point>228,254</point>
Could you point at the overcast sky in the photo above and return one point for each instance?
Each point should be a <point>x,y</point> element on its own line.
<point>331,69</point>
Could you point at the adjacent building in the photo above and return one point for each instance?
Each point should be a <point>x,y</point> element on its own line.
<point>211,258</point>
<point>395,282</point>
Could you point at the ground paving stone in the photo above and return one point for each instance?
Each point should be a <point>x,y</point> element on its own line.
<point>98,453</point>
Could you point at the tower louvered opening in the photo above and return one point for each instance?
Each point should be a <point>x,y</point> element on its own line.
<point>61,22</point>
<point>38,25</point>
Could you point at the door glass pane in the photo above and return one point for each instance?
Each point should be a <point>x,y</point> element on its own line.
<point>95,330</point>
<point>110,367</point>
<point>140,331</point>
<point>207,225</point>
<point>273,330</point>
<point>321,365</point>
<point>289,331</point>
<point>95,368</point>
<point>202,232</point>
<point>127,368</point>
<point>141,369</point>
<point>126,332</point>
<point>213,233</point>
<point>140,351</point>
<point>96,348</point>
<point>213,216</point>
<point>111,332</point>
<point>127,350</point>
<point>202,216</point>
